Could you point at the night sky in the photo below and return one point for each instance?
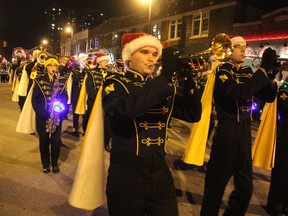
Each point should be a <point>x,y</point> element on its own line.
<point>22,21</point>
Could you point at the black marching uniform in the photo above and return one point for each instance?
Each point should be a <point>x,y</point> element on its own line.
<point>41,98</point>
<point>34,70</point>
<point>278,193</point>
<point>78,78</point>
<point>65,73</point>
<point>139,109</point>
<point>230,155</point>
<point>93,82</point>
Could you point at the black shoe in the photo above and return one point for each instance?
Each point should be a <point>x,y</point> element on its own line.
<point>274,210</point>
<point>55,169</point>
<point>46,169</point>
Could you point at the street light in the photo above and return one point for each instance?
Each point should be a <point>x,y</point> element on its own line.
<point>69,30</point>
<point>149,15</point>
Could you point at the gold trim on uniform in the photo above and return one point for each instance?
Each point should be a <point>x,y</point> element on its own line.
<point>149,125</point>
<point>109,89</point>
<point>125,79</point>
<point>283,96</point>
<point>158,141</point>
<point>162,110</point>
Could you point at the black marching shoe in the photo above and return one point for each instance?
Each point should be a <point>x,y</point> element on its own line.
<point>55,169</point>
<point>274,210</point>
<point>46,169</point>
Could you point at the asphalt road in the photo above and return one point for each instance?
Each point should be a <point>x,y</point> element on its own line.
<point>26,191</point>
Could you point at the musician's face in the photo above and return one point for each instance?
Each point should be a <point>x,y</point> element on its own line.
<point>103,64</point>
<point>143,60</point>
<point>239,54</point>
<point>52,69</point>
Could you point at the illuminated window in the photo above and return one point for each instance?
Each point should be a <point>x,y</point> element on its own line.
<point>200,24</point>
<point>175,28</point>
<point>156,30</point>
<point>93,43</point>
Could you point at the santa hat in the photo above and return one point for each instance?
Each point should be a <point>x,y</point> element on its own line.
<point>102,57</point>
<point>237,39</point>
<point>135,41</point>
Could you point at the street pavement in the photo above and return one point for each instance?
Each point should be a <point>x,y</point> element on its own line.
<point>26,191</point>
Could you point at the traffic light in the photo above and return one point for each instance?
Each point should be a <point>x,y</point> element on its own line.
<point>5,44</point>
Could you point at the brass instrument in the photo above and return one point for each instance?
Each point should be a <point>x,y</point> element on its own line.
<point>256,62</point>
<point>55,107</point>
<point>221,50</point>
<point>41,57</point>
<point>110,68</point>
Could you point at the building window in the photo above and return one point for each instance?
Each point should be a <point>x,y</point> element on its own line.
<point>156,30</point>
<point>200,24</point>
<point>93,43</point>
<point>175,29</point>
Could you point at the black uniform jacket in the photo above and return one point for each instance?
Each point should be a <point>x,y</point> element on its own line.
<point>93,82</point>
<point>42,93</point>
<point>235,88</point>
<point>139,110</point>
<point>282,101</point>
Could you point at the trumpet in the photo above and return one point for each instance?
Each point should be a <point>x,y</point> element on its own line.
<point>41,57</point>
<point>256,62</point>
<point>220,49</point>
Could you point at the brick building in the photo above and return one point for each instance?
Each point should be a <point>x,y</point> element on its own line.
<point>192,25</point>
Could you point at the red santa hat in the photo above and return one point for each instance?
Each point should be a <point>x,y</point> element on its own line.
<point>102,57</point>
<point>132,42</point>
<point>237,39</point>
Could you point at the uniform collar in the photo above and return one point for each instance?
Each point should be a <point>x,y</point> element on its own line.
<point>137,75</point>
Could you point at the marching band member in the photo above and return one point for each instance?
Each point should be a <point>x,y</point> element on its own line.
<point>93,82</point>
<point>139,108</point>
<point>277,202</point>
<point>48,89</point>
<point>235,86</point>
<point>78,71</point>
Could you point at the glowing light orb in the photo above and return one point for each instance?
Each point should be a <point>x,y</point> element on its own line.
<point>58,106</point>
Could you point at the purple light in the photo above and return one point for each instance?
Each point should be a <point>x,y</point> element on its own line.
<point>58,106</point>
<point>254,106</point>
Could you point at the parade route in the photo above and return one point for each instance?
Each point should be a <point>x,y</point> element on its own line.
<point>26,191</point>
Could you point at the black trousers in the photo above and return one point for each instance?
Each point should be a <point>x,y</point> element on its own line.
<point>140,186</point>
<point>278,192</point>
<point>74,100</point>
<point>87,114</point>
<point>21,102</point>
<point>230,156</point>
<point>49,145</point>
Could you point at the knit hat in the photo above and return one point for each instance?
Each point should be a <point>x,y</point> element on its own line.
<point>135,41</point>
<point>102,57</point>
<point>237,39</point>
<point>51,60</point>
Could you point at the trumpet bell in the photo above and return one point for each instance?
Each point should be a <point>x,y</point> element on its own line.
<point>41,58</point>
<point>221,47</point>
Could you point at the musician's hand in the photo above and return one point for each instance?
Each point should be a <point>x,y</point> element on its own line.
<point>170,55</point>
<point>269,60</point>
<point>272,73</point>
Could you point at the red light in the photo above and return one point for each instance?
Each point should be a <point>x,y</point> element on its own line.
<point>266,37</point>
